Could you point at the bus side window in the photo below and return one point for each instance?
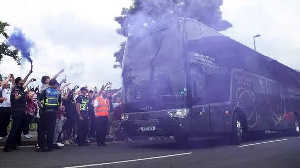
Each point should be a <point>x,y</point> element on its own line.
<point>218,87</point>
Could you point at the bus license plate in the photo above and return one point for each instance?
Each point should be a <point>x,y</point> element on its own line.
<point>150,128</point>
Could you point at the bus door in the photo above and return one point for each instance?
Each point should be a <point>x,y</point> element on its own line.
<point>201,119</point>
<point>200,113</point>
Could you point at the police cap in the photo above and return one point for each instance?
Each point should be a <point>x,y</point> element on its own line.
<point>53,82</point>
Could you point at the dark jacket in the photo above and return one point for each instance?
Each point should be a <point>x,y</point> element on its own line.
<point>19,104</point>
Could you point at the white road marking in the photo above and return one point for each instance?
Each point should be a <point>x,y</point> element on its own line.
<point>263,143</point>
<point>133,160</point>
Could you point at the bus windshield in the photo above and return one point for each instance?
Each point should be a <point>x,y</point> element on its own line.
<point>153,69</point>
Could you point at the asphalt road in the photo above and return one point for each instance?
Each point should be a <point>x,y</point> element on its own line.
<point>272,151</point>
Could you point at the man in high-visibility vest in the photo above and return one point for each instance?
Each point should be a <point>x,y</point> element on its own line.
<point>101,109</point>
<point>50,100</point>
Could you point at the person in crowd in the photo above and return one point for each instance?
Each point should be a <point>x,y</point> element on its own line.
<point>70,114</point>
<point>83,117</point>
<point>18,107</point>
<point>101,110</point>
<point>116,124</point>
<point>91,98</point>
<point>30,111</point>
<point>60,121</point>
<point>111,96</point>
<point>25,86</point>
<point>5,104</point>
<point>45,79</point>
<point>50,100</point>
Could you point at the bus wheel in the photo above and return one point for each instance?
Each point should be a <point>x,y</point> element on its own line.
<point>295,130</point>
<point>296,126</point>
<point>238,130</point>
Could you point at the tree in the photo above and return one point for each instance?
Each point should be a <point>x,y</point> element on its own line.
<point>119,55</point>
<point>5,49</point>
<point>144,13</point>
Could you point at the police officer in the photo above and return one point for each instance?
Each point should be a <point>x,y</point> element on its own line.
<point>50,99</point>
<point>83,117</point>
<point>18,107</point>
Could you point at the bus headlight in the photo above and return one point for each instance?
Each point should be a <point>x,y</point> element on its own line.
<point>124,116</point>
<point>178,113</point>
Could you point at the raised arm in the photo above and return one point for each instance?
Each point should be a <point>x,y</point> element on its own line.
<point>5,82</point>
<point>65,85</point>
<point>56,75</point>
<point>103,87</point>
<point>12,80</point>
<point>63,81</point>
<point>26,77</point>
<point>115,94</point>
<point>27,82</point>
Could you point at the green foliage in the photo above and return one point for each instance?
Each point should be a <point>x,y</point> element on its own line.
<point>119,55</point>
<point>5,49</point>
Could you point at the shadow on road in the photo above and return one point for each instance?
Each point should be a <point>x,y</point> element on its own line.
<point>202,143</point>
<point>193,143</point>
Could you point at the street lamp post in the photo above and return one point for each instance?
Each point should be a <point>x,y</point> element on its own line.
<point>254,40</point>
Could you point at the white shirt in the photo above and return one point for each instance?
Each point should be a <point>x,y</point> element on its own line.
<point>44,86</point>
<point>95,104</point>
<point>6,94</point>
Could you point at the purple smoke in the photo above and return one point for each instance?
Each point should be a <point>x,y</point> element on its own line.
<point>18,40</point>
<point>145,13</point>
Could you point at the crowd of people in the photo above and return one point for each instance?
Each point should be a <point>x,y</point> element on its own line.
<point>63,115</point>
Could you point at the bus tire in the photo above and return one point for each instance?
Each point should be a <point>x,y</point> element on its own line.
<point>238,133</point>
<point>296,129</point>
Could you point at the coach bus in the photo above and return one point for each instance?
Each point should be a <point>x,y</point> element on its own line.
<point>184,79</point>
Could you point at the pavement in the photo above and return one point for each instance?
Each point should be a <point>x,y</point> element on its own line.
<point>33,140</point>
<point>25,142</point>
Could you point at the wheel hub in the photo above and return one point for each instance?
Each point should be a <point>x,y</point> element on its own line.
<point>297,126</point>
<point>239,129</point>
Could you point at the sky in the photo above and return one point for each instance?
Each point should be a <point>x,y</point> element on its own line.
<point>80,35</point>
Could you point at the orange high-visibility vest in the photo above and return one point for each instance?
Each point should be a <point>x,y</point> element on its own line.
<point>103,107</point>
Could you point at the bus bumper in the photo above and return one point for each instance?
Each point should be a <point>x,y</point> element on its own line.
<point>156,124</point>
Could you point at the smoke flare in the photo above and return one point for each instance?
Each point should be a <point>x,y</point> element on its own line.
<point>18,40</point>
